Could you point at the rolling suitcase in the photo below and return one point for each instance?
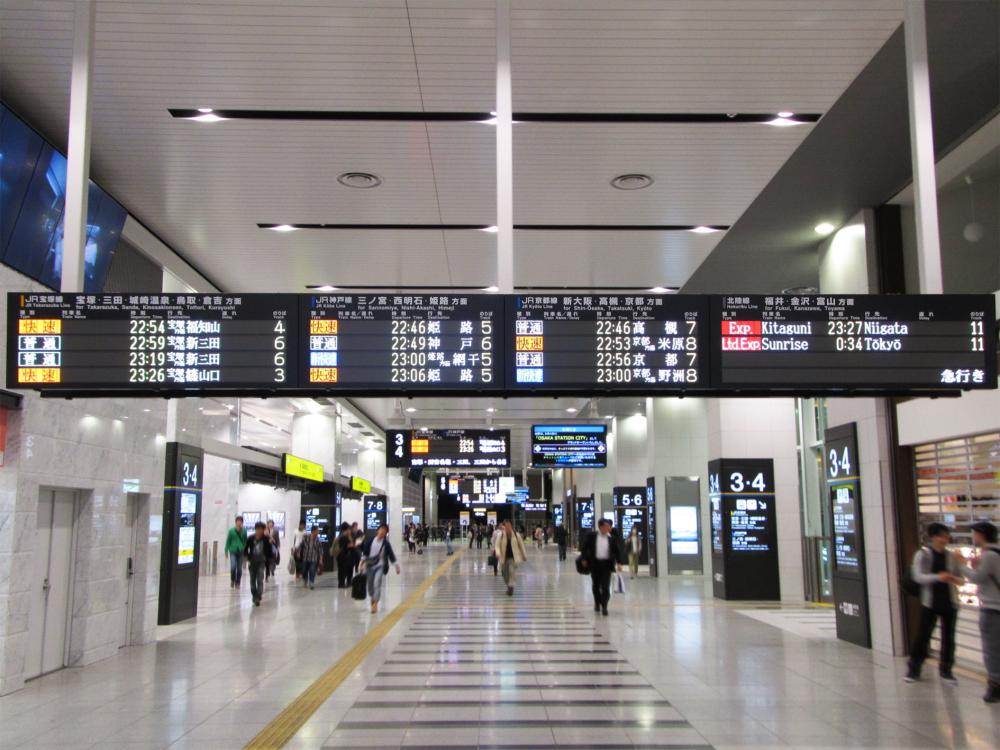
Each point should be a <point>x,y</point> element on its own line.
<point>359,587</point>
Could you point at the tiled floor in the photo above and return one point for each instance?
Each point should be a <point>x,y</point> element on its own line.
<point>471,667</point>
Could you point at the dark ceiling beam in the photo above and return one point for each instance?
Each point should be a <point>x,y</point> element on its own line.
<point>858,155</point>
<point>522,227</point>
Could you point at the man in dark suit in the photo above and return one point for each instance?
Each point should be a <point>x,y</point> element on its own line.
<point>561,537</point>
<point>602,552</point>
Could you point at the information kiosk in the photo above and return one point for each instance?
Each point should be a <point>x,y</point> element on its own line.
<point>843,487</point>
<point>744,530</point>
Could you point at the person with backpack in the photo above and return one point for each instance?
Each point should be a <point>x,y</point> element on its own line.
<point>376,555</point>
<point>984,571</point>
<point>236,543</point>
<point>260,553</point>
<point>938,574</point>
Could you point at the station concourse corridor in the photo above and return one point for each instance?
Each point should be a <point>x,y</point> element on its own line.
<point>468,667</point>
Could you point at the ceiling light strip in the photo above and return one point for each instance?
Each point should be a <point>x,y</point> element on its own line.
<point>524,227</point>
<point>610,118</point>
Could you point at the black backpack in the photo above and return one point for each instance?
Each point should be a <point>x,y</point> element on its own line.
<point>908,584</point>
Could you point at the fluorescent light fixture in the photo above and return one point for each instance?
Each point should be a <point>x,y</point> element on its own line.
<point>571,409</point>
<point>491,230</point>
<point>205,110</point>
<point>326,288</point>
<point>824,228</point>
<point>410,409</point>
<point>490,410</point>
<point>704,230</point>
<point>207,117</point>
<point>610,416</point>
<point>146,410</point>
<point>493,289</point>
<point>786,114</point>
<point>783,122</point>
<point>283,228</point>
<point>659,290</point>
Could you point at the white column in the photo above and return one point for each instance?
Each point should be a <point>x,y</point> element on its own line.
<point>314,437</point>
<point>505,154</point>
<point>78,151</point>
<point>918,87</point>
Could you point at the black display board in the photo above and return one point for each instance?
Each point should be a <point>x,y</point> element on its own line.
<point>268,344</point>
<point>624,342</point>
<point>376,512</point>
<point>585,521</point>
<point>179,551</point>
<point>152,341</point>
<point>654,569</point>
<point>631,511</point>
<point>396,341</point>
<point>857,341</point>
<point>850,583</point>
<point>572,446</point>
<point>744,529</point>
<point>455,448</point>
<point>325,518</point>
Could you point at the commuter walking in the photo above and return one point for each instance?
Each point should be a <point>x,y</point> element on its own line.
<point>260,553</point>
<point>480,535</point>
<point>311,552</point>
<point>472,535</point>
<point>561,536</point>
<point>602,554</point>
<point>344,548</point>
<point>377,554</point>
<point>634,547</point>
<point>539,535</point>
<point>272,534</point>
<point>236,542</point>
<point>494,537</point>
<point>447,539</point>
<point>937,572</point>
<point>297,540</point>
<point>411,538</point>
<point>509,551</point>
<point>984,571</point>
<point>358,537</point>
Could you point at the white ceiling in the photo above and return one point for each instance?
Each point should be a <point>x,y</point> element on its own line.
<point>203,187</point>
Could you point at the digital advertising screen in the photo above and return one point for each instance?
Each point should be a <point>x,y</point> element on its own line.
<point>684,530</point>
<point>151,341</point>
<point>452,448</point>
<point>940,342</point>
<point>585,514</point>
<point>186,527</point>
<point>620,342</point>
<point>399,342</point>
<point>582,446</point>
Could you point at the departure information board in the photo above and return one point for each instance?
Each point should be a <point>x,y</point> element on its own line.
<point>499,345</point>
<point>615,342</point>
<point>143,341</point>
<point>574,446</point>
<point>394,341</point>
<point>856,341</point>
<point>455,448</point>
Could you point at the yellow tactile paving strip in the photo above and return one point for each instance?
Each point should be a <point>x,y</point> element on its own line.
<point>284,726</point>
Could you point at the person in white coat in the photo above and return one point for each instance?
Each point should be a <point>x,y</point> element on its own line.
<point>509,551</point>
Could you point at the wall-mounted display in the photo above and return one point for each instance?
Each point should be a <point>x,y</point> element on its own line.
<point>579,446</point>
<point>455,448</point>
<point>376,512</point>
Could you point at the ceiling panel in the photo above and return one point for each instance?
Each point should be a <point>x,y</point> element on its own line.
<point>692,55</point>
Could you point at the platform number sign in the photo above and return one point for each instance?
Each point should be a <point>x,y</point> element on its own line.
<point>190,470</point>
<point>839,462</point>
<point>376,508</point>
<point>747,483</point>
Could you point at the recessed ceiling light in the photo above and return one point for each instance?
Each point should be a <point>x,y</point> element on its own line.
<point>425,429</point>
<point>283,228</point>
<point>491,288</point>
<point>571,409</point>
<point>783,122</point>
<point>207,117</point>
<point>786,114</point>
<point>491,230</point>
<point>490,410</point>
<point>326,288</point>
<point>205,110</point>
<point>704,230</point>
<point>146,410</point>
<point>631,181</point>
<point>360,180</point>
<point>610,416</point>
<point>410,409</point>
<point>824,228</point>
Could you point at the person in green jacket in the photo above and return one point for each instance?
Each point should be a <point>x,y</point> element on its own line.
<point>236,544</point>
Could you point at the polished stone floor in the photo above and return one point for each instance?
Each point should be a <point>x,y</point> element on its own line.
<point>469,667</point>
